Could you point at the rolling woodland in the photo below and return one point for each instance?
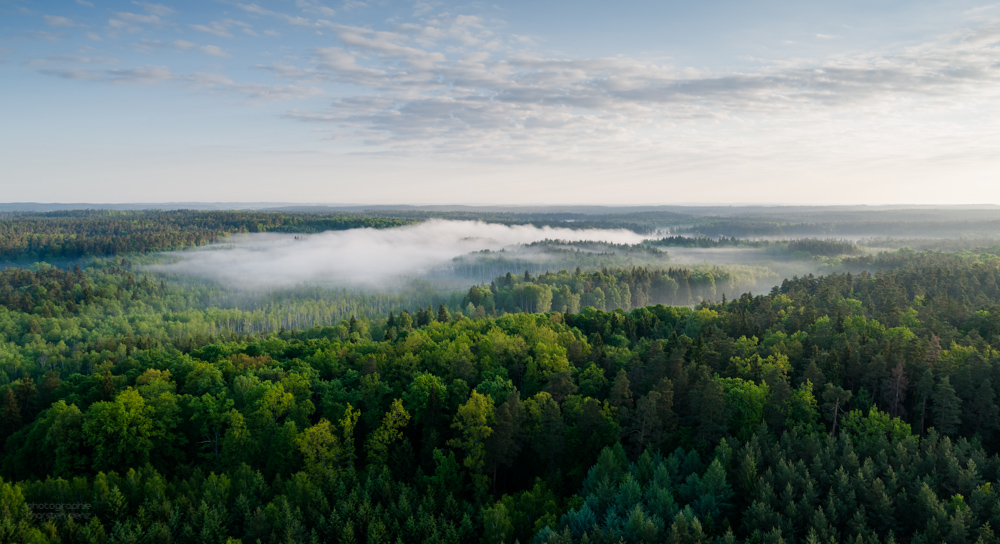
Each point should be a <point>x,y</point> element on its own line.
<point>617,399</point>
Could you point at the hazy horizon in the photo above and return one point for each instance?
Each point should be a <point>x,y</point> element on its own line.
<point>46,206</point>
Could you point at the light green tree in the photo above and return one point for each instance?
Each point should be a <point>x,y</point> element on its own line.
<point>122,432</point>
<point>802,410</point>
<point>389,432</point>
<point>473,423</point>
<point>321,449</point>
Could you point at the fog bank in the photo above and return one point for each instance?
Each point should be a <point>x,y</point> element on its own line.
<point>362,257</point>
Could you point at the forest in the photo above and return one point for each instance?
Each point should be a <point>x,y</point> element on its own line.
<point>604,402</point>
<point>88,233</point>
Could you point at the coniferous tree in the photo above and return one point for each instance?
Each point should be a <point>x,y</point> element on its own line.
<point>947,408</point>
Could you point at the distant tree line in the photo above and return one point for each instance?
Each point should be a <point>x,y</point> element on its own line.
<point>610,289</point>
<point>953,227</point>
<point>76,234</point>
<point>639,222</point>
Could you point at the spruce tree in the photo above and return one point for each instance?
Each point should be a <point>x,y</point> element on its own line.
<point>947,408</point>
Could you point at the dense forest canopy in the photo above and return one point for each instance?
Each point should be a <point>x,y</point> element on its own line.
<point>626,404</point>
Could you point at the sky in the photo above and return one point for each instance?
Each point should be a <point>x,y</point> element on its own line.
<point>541,102</point>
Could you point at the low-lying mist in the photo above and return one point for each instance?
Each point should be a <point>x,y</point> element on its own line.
<point>361,258</point>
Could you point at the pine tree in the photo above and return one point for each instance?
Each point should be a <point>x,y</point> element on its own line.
<point>947,408</point>
<point>983,410</point>
<point>10,414</point>
<point>836,399</point>
<point>621,392</point>
<point>923,390</point>
<point>895,391</point>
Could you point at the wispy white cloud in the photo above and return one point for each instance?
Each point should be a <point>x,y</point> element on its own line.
<point>273,93</point>
<point>314,7</point>
<point>296,20</point>
<point>143,75</point>
<point>184,45</point>
<point>252,91</point>
<point>59,21</point>
<point>139,18</point>
<point>210,80</point>
<point>155,9</point>
<point>132,23</point>
<point>215,51</point>
<point>41,35</point>
<point>421,98</point>
<point>76,74</point>
<point>78,69</point>
<point>343,63</point>
<point>147,46</point>
<point>215,28</point>
<point>389,44</point>
<point>119,25</point>
<point>71,59</point>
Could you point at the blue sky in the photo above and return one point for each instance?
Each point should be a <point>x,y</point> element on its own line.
<point>516,103</point>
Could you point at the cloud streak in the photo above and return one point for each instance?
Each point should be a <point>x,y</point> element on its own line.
<point>59,21</point>
<point>423,99</point>
<point>204,81</point>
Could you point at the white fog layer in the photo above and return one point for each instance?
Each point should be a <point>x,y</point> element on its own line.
<point>362,257</point>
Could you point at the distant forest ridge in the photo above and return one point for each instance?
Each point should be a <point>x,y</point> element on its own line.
<point>29,235</point>
<point>686,209</point>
